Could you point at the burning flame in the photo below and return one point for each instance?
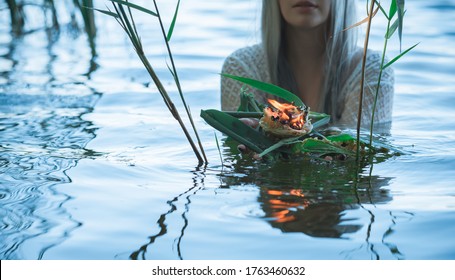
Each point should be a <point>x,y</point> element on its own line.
<point>287,113</point>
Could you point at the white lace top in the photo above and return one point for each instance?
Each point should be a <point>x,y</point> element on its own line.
<point>250,62</point>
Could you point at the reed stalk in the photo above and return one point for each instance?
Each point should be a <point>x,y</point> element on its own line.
<point>386,40</point>
<point>362,80</point>
<point>174,71</point>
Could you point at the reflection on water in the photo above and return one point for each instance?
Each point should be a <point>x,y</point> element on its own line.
<point>43,135</point>
<point>147,251</point>
<point>314,197</point>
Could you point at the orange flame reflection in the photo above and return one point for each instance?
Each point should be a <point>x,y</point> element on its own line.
<point>281,202</point>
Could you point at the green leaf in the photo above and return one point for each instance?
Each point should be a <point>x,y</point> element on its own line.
<point>398,57</point>
<point>134,6</point>
<point>109,13</point>
<point>393,9</point>
<point>237,130</point>
<point>269,88</point>
<point>341,138</point>
<point>171,28</point>
<point>382,9</point>
<point>391,30</point>
<point>400,9</point>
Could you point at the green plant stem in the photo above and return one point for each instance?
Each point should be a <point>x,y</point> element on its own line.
<point>177,81</point>
<point>378,85</point>
<point>362,80</point>
<point>170,104</point>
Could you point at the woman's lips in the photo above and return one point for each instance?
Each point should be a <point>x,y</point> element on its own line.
<point>305,4</point>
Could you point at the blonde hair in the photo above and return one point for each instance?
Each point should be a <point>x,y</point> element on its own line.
<point>340,49</point>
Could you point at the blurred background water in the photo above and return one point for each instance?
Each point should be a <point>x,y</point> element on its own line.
<point>92,165</point>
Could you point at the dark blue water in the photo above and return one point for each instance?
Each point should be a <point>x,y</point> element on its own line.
<point>92,166</point>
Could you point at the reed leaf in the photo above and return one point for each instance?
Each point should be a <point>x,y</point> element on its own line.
<point>135,6</point>
<point>363,20</point>
<point>391,30</point>
<point>171,27</point>
<point>237,130</point>
<point>393,9</point>
<point>109,13</point>
<point>399,56</point>
<point>382,9</point>
<point>269,88</point>
<point>400,10</point>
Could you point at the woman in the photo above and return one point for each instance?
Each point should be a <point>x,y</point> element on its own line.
<point>305,50</point>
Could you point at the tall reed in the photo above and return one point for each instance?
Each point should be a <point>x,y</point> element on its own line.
<point>396,8</point>
<point>362,80</point>
<point>123,14</point>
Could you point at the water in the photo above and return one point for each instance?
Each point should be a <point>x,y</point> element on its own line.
<point>92,166</point>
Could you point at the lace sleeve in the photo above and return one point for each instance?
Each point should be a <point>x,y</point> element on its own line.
<point>383,112</point>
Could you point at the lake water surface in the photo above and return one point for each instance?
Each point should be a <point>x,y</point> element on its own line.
<point>92,165</point>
